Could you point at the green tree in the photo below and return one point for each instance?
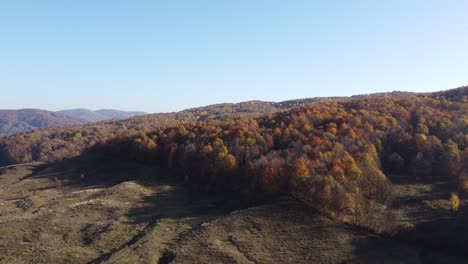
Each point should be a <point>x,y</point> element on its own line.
<point>450,158</point>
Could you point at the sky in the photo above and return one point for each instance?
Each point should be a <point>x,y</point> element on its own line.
<point>160,56</point>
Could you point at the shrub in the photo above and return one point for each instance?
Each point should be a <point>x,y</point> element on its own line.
<point>455,202</point>
<point>463,184</point>
<point>24,204</point>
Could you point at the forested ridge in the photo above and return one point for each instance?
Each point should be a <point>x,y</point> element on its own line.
<point>333,155</point>
<point>55,143</point>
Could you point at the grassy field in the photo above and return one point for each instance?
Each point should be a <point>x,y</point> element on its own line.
<point>424,209</point>
<point>97,210</point>
<point>91,210</point>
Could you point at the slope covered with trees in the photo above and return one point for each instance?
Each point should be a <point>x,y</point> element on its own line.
<point>50,144</point>
<point>331,155</point>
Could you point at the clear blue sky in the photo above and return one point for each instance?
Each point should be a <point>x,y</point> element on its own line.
<point>169,55</point>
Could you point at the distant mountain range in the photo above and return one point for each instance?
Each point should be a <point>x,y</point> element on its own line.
<point>99,115</point>
<point>22,120</point>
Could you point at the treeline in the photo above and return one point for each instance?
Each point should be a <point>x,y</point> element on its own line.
<point>331,155</point>
<point>52,144</point>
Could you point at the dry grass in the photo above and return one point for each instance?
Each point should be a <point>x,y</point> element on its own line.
<point>93,210</point>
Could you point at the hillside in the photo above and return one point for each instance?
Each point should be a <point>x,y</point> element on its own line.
<point>457,94</point>
<point>249,108</point>
<point>94,210</point>
<point>99,115</point>
<point>332,155</point>
<point>55,143</point>
<point>17,121</point>
<point>373,178</point>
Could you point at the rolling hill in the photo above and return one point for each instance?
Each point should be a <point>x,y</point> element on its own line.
<point>17,121</point>
<point>55,142</point>
<point>379,178</point>
<point>99,115</point>
<point>23,120</point>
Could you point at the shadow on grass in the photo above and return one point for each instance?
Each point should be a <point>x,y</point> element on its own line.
<point>172,200</point>
<point>95,171</point>
<point>92,170</point>
<point>448,234</point>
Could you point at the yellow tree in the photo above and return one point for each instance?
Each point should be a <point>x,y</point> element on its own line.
<point>454,202</point>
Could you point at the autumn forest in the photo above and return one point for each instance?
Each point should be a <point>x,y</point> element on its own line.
<point>334,155</point>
